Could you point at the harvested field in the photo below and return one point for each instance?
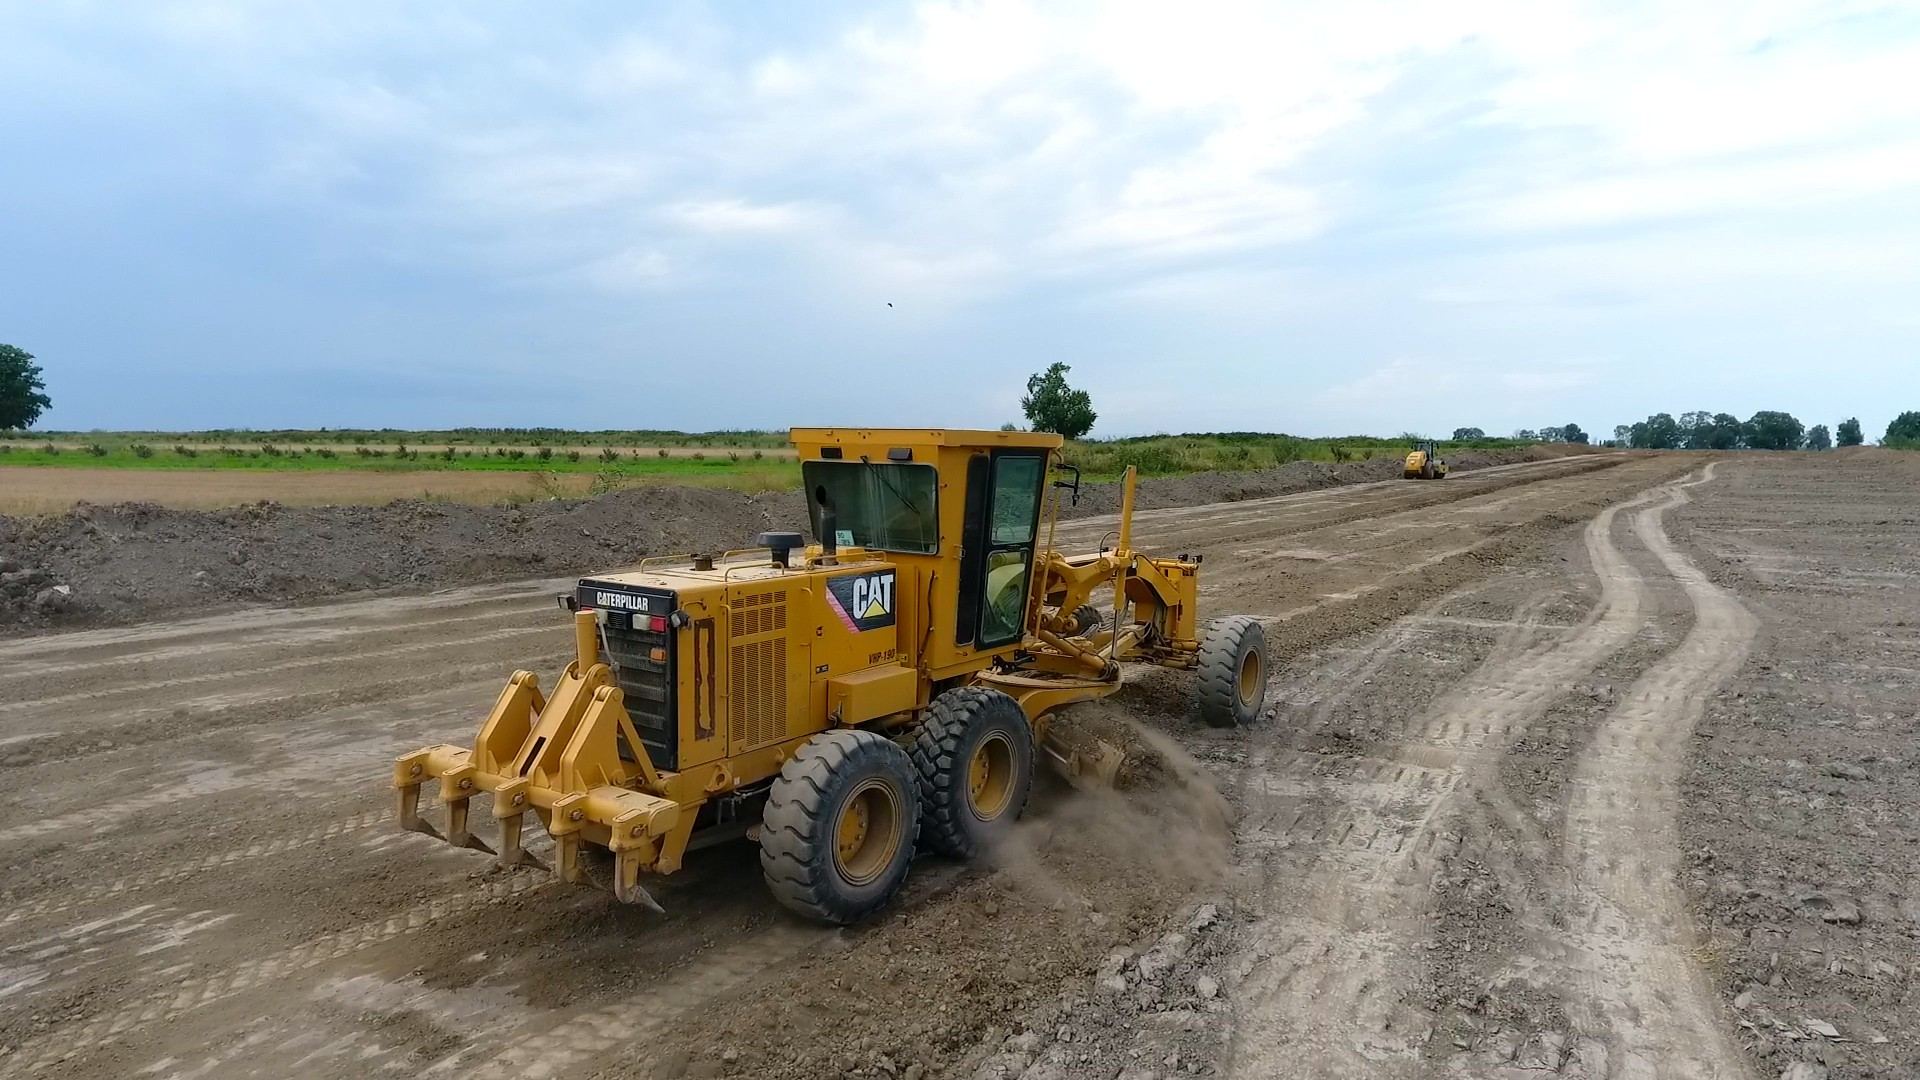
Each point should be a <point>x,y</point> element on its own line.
<point>57,486</point>
<point>1558,757</point>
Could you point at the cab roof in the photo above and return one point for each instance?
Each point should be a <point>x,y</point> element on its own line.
<point>954,437</point>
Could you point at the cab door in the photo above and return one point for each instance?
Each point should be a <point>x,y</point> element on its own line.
<point>1004,489</point>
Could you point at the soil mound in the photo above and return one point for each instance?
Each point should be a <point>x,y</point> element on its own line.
<point>135,560</point>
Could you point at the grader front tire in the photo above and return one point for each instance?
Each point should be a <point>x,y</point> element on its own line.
<point>840,826</point>
<point>974,755</point>
<point>1233,671</point>
<point>1086,619</point>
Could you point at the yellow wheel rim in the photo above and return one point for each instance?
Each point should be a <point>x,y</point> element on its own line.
<point>1252,676</point>
<point>990,776</point>
<point>868,832</point>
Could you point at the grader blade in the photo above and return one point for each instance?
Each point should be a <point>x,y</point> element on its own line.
<point>1095,763</point>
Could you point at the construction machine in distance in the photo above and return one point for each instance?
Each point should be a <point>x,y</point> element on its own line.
<point>885,688</point>
<point>1424,463</point>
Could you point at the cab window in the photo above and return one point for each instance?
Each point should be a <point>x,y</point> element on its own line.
<point>1016,497</point>
<point>887,506</point>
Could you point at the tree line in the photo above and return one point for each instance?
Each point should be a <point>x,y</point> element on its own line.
<point>1767,429</point>
<point>1564,433</point>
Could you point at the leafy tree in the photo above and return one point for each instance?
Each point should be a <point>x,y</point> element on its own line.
<point>1527,435</point>
<point>1818,438</point>
<point>1696,428</point>
<point>21,400</point>
<point>1725,433</point>
<point>1052,405</point>
<point>1657,432</point>
<point>1553,433</point>
<point>1572,433</point>
<point>1623,435</point>
<point>1848,432</point>
<point>1770,430</point>
<point>1467,434</point>
<point>1904,429</point>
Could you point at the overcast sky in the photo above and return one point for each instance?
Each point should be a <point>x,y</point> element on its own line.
<point>1322,218</point>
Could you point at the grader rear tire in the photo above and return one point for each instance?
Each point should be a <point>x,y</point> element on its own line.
<point>840,826</point>
<point>974,754</point>
<point>1233,671</point>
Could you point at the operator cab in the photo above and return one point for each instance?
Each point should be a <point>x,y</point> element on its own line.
<point>961,509</point>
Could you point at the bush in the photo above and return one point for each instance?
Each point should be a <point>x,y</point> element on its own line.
<point>573,455</point>
<point>269,449</point>
<point>1150,459</point>
<point>96,450</point>
<point>546,453</point>
<point>325,453</point>
<point>447,453</point>
<point>759,454</point>
<point>186,451</point>
<point>1341,455</point>
<point>516,454</point>
<point>662,452</point>
<point>609,455</point>
<point>141,450</point>
<point>50,449</point>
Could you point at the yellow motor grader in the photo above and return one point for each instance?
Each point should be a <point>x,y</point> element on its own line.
<point>886,687</point>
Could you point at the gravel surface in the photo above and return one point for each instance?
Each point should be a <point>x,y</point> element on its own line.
<point>199,875</point>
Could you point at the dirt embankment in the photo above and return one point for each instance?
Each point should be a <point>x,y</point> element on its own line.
<point>1199,489</point>
<point>102,565</point>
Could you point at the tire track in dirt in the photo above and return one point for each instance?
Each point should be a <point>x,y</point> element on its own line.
<point>1636,979</point>
<point>164,1005</point>
<point>248,626</point>
<point>343,638</point>
<point>1332,992</point>
<point>260,674</point>
<point>94,895</point>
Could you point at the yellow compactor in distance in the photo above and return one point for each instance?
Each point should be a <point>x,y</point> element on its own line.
<point>886,687</point>
<point>1423,463</point>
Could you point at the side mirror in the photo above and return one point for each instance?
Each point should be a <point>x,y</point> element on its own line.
<point>1073,487</point>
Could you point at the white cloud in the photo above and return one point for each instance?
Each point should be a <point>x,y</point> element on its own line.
<point>1268,189</point>
<point>740,216</point>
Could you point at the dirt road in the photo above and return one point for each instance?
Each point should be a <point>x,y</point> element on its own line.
<point>1391,876</point>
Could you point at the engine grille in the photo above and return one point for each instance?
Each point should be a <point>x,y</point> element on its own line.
<point>757,670</point>
<point>647,685</point>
